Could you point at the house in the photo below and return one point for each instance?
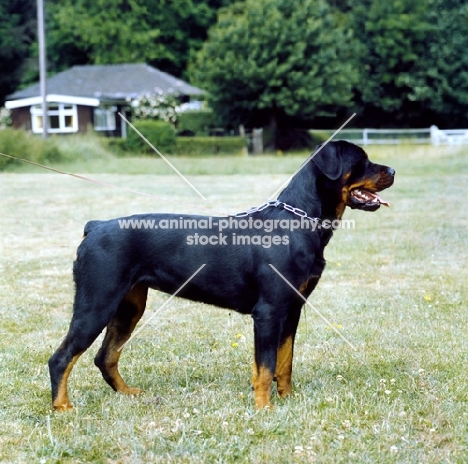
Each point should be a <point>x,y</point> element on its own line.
<point>85,96</point>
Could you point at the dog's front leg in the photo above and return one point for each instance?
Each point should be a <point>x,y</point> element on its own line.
<point>267,330</point>
<point>286,351</point>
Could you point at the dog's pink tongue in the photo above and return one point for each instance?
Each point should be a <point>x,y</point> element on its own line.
<point>379,199</point>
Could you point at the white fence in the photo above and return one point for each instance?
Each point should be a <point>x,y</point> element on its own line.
<point>432,135</point>
<point>449,136</point>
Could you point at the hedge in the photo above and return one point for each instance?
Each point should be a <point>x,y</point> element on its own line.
<point>197,122</point>
<point>161,134</point>
<point>205,146</point>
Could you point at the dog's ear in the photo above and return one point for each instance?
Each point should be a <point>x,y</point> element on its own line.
<point>328,160</point>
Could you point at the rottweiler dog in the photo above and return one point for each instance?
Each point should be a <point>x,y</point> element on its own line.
<point>119,259</point>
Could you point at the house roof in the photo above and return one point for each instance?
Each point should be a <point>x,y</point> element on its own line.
<point>110,82</point>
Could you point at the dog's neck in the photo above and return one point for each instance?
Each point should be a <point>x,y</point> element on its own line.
<point>313,195</point>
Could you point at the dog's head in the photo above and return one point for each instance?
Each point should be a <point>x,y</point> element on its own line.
<point>356,180</point>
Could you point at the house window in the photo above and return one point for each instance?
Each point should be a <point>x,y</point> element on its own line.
<point>62,117</point>
<point>104,118</point>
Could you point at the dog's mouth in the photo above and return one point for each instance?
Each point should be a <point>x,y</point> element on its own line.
<point>365,199</point>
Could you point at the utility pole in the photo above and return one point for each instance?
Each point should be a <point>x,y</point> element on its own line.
<point>42,65</point>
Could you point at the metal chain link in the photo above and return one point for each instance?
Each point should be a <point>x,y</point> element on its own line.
<point>276,204</point>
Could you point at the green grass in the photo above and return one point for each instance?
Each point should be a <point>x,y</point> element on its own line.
<point>188,165</point>
<point>395,285</point>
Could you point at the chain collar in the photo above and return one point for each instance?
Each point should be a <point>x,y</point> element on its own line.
<point>276,204</point>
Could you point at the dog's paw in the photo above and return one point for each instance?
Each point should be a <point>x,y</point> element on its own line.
<point>63,407</point>
<point>131,391</point>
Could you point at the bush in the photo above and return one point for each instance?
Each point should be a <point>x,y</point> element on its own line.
<point>202,146</point>
<point>117,146</point>
<point>55,149</point>
<point>25,145</point>
<point>11,143</point>
<point>197,122</point>
<point>156,106</point>
<point>161,134</point>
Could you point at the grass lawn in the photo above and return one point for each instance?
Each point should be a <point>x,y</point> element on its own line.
<point>395,286</point>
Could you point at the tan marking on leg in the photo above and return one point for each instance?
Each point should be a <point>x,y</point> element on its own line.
<point>262,379</point>
<point>115,338</point>
<point>111,365</point>
<point>284,367</point>
<point>62,402</point>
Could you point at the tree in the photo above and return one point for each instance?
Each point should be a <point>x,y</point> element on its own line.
<point>413,62</point>
<point>163,33</point>
<point>393,37</point>
<point>183,27</point>
<point>17,32</point>
<point>446,86</point>
<point>277,62</point>
<point>104,32</point>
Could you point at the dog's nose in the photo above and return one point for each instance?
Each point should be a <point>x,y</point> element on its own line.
<point>391,171</point>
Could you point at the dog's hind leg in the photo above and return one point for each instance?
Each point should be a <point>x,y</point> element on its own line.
<point>60,366</point>
<point>119,330</point>
<point>96,301</point>
<point>81,334</point>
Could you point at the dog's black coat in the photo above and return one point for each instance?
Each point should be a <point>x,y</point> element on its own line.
<point>115,267</point>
